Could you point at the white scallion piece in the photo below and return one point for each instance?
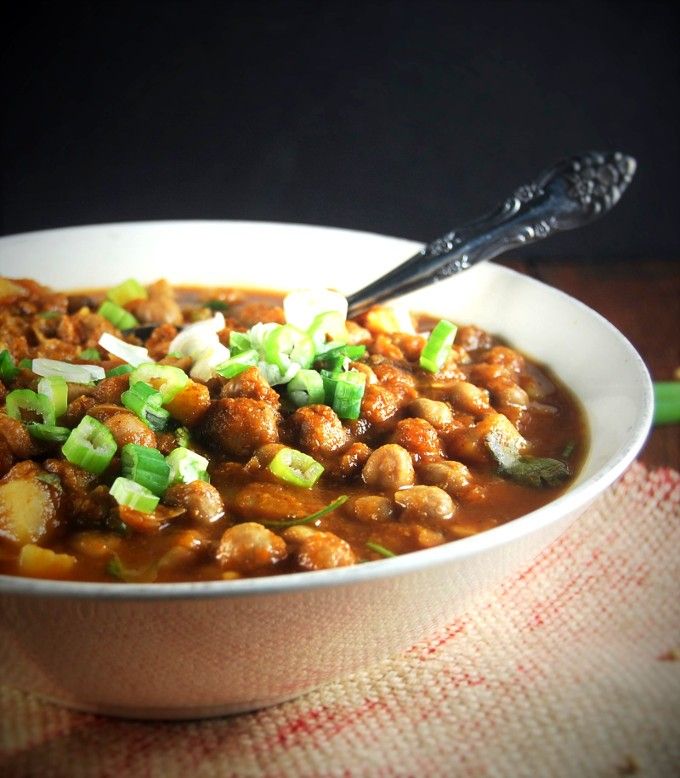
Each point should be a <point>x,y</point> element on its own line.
<point>208,359</point>
<point>303,305</point>
<point>133,355</point>
<point>200,331</point>
<point>75,374</point>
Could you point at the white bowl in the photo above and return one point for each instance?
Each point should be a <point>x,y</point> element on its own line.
<point>200,649</point>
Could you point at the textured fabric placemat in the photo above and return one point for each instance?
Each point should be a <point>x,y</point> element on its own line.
<point>571,669</point>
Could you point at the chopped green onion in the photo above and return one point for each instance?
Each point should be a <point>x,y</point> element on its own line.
<point>49,314</point>
<point>167,379</point>
<point>146,466</point>
<point>236,365</point>
<point>379,549</point>
<point>48,432</point>
<point>438,345</point>
<point>216,305</point>
<point>329,384</point>
<point>186,466</point>
<point>118,316</point>
<point>568,450</point>
<point>294,467</point>
<point>666,402</point>
<point>89,353</point>
<point>134,495</point>
<point>337,358</point>
<point>238,342</point>
<point>55,388</point>
<point>27,400</point>
<point>7,370</point>
<point>119,370</point>
<point>133,355</point>
<point>311,518</point>
<point>349,391</point>
<point>306,388</point>
<point>145,402</point>
<point>25,364</point>
<point>126,292</point>
<point>328,323</point>
<point>287,344</point>
<point>182,437</point>
<point>74,374</point>
<point>90,446</point>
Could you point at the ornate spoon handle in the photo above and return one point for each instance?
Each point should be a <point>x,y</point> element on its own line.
<point>571,194</point>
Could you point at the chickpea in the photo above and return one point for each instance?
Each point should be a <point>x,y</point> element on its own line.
<point>468,398</point>
<point>324,550</point>
<point>373,508</point>
<point>420,439</point>
<point>426,504</point>
<point>201,500</point>
<point>472,444</point>
<point>453,477</point>
<point>127,428</point>
<point>250,546</point>
<point>437,413</point>
<point>506,392</point>
<point>389,467</point>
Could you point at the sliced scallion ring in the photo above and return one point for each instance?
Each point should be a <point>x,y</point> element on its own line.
<point>8,372</point>
<point>127,492</point>
<point>50,433</point>
<point>239,342</point>
<point>349,391</point>
<point>127,291</point>
<point>236,365</point>
<point>55,388</point>
<point>90,446</point>
<point>306,388</point>
<point>167,379</point>
<point>26,400</point>
<point>146,466</point>
<point>117,315</point>
<point>287,344</point>
<point>145,401</point>
<point>438,346</point>
<point>328,323</point>
<point>293,467</point>
<point>186,466</point>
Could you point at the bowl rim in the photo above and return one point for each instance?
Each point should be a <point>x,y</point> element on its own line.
<point>569,503</point>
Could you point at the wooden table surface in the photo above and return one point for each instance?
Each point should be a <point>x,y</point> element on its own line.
<point>641,299</point>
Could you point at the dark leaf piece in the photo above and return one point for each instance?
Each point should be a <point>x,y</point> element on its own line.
<point>537,471</point>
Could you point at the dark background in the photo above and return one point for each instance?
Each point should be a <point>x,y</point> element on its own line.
<point>403,117</point>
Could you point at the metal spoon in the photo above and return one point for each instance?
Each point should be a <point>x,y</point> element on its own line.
<point>571,194</point>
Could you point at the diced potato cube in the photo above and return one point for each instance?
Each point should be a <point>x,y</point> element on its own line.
<point>190,404</point>
<point>27,510</point>
<point>387,320</point>
<point>39,562</point>
<point>10,289</point>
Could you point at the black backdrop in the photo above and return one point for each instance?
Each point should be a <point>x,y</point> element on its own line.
<point>404,117</point>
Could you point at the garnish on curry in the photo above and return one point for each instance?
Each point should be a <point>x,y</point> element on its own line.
<point>249,435</point>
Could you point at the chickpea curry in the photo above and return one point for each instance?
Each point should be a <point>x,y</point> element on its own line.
<point>155,434</point>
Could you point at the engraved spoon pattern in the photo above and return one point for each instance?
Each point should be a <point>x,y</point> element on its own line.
<point>571,194</point>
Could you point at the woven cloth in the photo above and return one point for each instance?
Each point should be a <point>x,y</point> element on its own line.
<point>570,669</point>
